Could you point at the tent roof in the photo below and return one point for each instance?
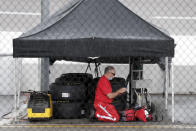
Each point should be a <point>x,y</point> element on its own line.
<point>94,28</point>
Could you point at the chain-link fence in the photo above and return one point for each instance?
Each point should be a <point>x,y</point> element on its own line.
<point>167,91</point>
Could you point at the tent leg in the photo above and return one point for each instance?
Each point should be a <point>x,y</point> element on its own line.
<point>17,83</point>
<point>166,83</point>
<point>19,80</point>
<point>17,75</point>
<point>172,87</point>
<point>130,78</point>
<point>44,74</point>
<point>45,9</point>
<point>15,92</point>
<point>45,12</point>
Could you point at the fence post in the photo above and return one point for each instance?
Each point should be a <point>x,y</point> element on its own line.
<point>44,69</point>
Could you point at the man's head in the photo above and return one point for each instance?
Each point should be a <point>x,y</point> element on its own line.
<point>109,72</point>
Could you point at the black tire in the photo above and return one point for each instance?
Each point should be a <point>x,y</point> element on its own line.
<point>120,101</point>
<point>117,83</point>
<point>66,110</point>
<point>90,112</point>
<point>152,108</point>
<point>91,89</point>
<point>77,75</point>
<point>74,78</point>
<point>119,105</point>
<point>74,92</point>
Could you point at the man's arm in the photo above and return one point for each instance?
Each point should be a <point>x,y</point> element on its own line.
<point>118,92</point>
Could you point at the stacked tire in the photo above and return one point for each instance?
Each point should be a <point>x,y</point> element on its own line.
<point>69,95</point>
<point>120,101</point>
<point>91,96</point>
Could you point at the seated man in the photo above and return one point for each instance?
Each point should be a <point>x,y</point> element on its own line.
<point>105,111</point>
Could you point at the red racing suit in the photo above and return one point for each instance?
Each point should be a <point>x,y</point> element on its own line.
<point>105,111</point>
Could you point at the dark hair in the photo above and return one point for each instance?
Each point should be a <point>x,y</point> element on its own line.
<point>108,68</point>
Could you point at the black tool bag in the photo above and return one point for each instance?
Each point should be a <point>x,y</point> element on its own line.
<point>120,101</point>
<point>68,110</point>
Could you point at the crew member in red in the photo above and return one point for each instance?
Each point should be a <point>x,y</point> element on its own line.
<point>105,111</point>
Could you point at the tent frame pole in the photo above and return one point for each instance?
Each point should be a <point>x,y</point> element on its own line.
<point>44,62</point>
<point>166,83</point>
<point>17,83</point>
<point>172,87</point>
<point>130,79</point>
<point>15,91</point>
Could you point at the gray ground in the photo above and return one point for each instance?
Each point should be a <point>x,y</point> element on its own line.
<point>100,127</point>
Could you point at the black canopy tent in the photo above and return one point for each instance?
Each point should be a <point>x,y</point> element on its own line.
<point>94,28</point>
<point>102,29</point>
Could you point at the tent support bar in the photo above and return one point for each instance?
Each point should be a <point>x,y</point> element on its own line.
<point>166,83</point>
<point>19,80</point>
<point>130,77</point>
<point>17,83</point>
<point>44,71</point>
<point>172,87</point>
<point>15,92</point>
<point>6,54</point>
<point>45,9</point>
<point>44,74</point>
